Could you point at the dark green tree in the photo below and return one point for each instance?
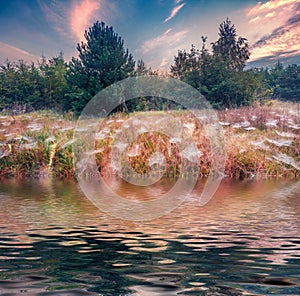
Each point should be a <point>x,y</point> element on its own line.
<point>187,66</point>
<point>285,82</point>
<point>7,84</point>
<point>218,74</point>
<point>21,86</point>
<point>102,61</point>
<point>54,75</point>
<point>141,68</point>
<point>230,49</point>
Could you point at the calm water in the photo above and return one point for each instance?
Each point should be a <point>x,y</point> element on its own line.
<point>246,241</point>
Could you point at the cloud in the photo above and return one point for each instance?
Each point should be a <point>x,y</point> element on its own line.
<point>271,14</point>
<point>271,5</point>
<point>174,11</point>
<point>13,53</point>
<point>281,43</point>
<point>158,52</point>
<point>257,18</point>
<point>163,64</point>
<point>57,15</point>
<point>271,60</point>
<point>279,20</point>
<point>81,16</point>
<point>265,17</point>
<point>167,39</point>
<point>71,19</point>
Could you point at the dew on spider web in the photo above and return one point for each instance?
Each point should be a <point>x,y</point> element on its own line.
<point>285,134</point>
<point>191,153</point>
<point>134,150</point>
<point>281,157</point>
<point>68,143</point>
<point>157,158</point>
<point>280,143</point>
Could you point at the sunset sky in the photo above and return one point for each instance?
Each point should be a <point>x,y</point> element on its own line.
<point>152,29</point>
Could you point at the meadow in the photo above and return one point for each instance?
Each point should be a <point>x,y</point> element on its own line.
<point>261,141</point>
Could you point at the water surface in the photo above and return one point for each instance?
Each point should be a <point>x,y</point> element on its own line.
<point>245,241</point>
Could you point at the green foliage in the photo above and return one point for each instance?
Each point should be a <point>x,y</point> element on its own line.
<point>21,84</point>
<point>219,75</point>
<point>279,82</point>
<point>25,87</point>
<point>54,78</point>
<point>285,82</point>
<point>102,61</point>
<point>230,50</point>
<point>141,69</point>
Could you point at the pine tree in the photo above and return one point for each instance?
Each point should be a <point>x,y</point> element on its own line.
<point>102,61</point>
<point>230,49</point>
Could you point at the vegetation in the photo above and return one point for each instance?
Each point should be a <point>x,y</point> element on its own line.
<point>219,74</point>
<point>25,87</point>
<point>260,141</point>
<point>282,82</point>
<point>102,62</point>
<point>261,138</point>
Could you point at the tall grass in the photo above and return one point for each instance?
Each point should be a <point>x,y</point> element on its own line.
<point>260,141</point>
<point>34,145</point>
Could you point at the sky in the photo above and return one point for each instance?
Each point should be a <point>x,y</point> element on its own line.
<point>153,30</point>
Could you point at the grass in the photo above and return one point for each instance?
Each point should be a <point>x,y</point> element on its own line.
<point>260,141</point>
<point>36,144</point>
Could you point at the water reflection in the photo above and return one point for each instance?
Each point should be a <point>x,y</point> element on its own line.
<point>245,241</point>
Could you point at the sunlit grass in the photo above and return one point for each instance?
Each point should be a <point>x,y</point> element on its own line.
<point>260,141</point>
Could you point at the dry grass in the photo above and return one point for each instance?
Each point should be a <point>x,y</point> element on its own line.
<point>36,144</point>
<point>263,140</point>
<point>260,141</point>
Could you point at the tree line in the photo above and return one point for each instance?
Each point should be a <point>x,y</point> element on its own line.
<point>219,74</point>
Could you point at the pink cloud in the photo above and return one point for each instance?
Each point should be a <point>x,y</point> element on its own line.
<point>174,11</point>
<point>283,42</point>
<point>265,17</point>
<point>264,8</point>
<point>272,28</point>
<point>257,18</point>
<point>78,16</point>
<point>164,63</point>
<point>159,51</point>
<point>166,40</point>
<point>13,53</point>
<point>271,14</point>
<point>81,16</point>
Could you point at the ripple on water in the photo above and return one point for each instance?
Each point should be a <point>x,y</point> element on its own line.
<point>244,242</point>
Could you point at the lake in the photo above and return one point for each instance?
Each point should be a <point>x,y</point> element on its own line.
<point>245,241</point>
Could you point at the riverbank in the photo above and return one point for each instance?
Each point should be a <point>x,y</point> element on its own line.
<point>260,141</point>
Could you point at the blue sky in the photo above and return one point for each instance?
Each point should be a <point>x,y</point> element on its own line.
<point>153,30</point>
